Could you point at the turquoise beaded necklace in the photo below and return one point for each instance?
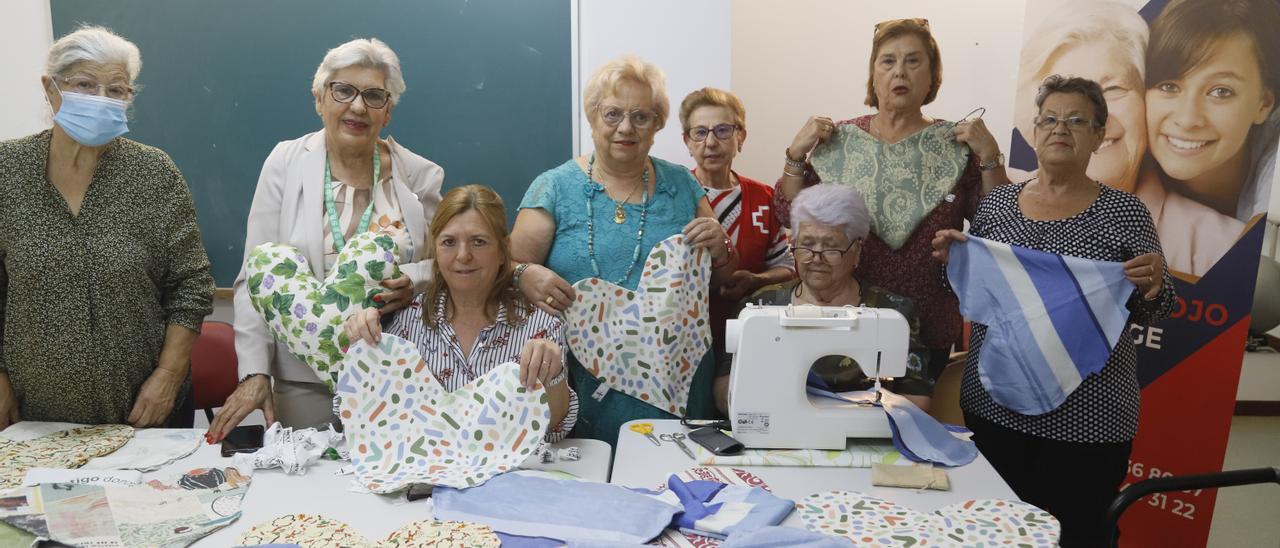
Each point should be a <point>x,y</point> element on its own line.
<point>591,229</point>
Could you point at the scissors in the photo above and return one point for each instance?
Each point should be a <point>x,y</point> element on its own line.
<point>678,438</point>
<point>645,429</point>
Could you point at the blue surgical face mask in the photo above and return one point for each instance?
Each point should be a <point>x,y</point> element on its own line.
<point>92,120</point>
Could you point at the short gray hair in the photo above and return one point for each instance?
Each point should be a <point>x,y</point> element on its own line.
<point>606,79</point>
<point>832,204</point>
<point>93,44</point>
<point>1056,83</point>
<point>361,52</point>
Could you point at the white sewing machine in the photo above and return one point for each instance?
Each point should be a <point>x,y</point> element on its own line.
<point>773,349</point>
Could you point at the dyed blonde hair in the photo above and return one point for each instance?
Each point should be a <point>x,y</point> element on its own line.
<point>488,204</point>
<point>606,80</point>
<point>713,97</point>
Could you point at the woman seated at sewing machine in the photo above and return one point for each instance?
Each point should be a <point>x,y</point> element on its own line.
<point>828,224</point>
<point>470,320</point>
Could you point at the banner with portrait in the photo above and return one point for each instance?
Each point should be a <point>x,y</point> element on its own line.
<point>1191,88</point>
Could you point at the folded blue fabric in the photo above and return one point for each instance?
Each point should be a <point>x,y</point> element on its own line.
<point>783,537</point>
<point>918,436</point>
<point>716,510</point>
<point>530,505</point>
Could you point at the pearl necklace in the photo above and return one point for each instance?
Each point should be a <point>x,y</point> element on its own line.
<point>618,217</point>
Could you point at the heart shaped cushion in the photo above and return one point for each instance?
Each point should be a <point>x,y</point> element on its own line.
<point>65,449</point>
<point>307,314</point>
<point>869,521</point>
<point>318,531</point>
<point>646,343</point>
<point>403,427</point>
<point>901,182</point>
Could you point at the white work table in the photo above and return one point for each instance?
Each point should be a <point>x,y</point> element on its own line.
<point>640,463</point>
<point>274,493</point>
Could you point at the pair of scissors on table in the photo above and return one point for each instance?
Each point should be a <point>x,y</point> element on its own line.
<point>679,438</point>
<point>645,429</point>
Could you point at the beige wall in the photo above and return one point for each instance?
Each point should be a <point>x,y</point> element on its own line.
<point>800,58</point>
<point>26,31</point>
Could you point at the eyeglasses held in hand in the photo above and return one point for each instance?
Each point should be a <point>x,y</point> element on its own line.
<point>722,132</point>
<point>343,92</point>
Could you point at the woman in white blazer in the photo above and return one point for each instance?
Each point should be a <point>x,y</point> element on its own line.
<point>315,193</point>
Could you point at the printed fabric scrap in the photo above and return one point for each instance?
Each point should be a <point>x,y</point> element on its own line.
<point>171,513</point>
<point>149,449</point>
<point>65,449</point>
<point>403,427</point>
<point>869,521</point>
<point>1051,320</point>
<point>318,531</point>
<point>715,509</point>
<point>646,343</point>
<point>858,454</point>
<point>901,182</point>
<point>530,504</point>
<point>305,313</point>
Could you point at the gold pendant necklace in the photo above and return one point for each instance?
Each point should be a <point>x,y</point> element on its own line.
<point>619,214</point>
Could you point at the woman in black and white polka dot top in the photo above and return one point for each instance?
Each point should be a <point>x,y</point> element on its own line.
<point>1071,460</point>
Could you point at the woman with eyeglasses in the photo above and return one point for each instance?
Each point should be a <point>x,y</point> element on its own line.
<point>1065,212</point>
<point>316,192</point>
<point>715,126</point>
<point>599,215</point>
<point>829,224</point>
<point>104,282</point>
<point>918,181</point>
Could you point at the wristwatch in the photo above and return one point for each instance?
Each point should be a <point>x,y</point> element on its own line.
<point>996,162</point>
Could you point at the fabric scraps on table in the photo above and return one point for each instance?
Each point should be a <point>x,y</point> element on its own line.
<point>917,476</point>
<point>901,182</point>
<point>783,537</point>
<point>307,314</point>
<point>290,450</point>
<point>311,531</point>
<point>1052,320</point>
<point>715,509</point>
<point>646,343</point>
<point>63,449</point>
<point>916,435</point>
<point>150,449</point>
<point>859,453</point>
<point>869,521</point>
<point>531,504</point>
<point>673,537</point>
<point>404,427</point>
<point>176,512</point>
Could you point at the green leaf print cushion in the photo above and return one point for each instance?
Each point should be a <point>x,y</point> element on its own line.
<point>307,314</point>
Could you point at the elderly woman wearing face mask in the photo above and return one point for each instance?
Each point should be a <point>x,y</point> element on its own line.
<point>1066,212</point>
<point>600,214</point>
<point>104,281</point>
<point>906,74</point>
<point>315,193</point>
<point>829,224</point>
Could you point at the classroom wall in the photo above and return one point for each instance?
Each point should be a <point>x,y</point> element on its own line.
<point>27,31</point>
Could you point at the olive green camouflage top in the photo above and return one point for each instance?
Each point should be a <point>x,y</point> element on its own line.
<point>85,300</point>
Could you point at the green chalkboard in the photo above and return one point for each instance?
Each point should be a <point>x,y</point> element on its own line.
<point>488,97</point>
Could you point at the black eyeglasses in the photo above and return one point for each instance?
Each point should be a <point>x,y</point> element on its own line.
<point>829,256</point>
<point>721,131</point>
<point>343,92</point>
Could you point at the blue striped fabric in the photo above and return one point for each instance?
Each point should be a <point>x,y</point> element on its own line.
<point>1051,320</point>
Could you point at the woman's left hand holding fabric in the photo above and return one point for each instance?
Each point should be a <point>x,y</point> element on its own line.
<point>398,294</point>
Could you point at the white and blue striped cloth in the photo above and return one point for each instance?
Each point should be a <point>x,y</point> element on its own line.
<point>1052,320</point>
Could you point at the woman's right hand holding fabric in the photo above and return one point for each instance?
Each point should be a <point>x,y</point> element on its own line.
<point>818,129</point>
<point>364,325</point>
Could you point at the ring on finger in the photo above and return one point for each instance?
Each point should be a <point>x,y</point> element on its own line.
<point>550,300</point>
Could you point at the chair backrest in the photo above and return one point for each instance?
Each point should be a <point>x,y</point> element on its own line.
<point>213,365</point>
<point>946,393</point>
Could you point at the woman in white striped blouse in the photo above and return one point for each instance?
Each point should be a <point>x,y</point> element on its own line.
<point>471,319</point>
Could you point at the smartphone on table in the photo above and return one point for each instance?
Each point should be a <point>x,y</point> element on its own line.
<point>243,439</point>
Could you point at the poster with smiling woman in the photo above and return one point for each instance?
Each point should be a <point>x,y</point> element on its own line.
<point>1191,89</point>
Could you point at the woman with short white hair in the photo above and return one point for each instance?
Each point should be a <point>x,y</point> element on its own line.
<point>316,192</point>
<point>104,282</point>
<point>828,226</point>
<point>600,214</point>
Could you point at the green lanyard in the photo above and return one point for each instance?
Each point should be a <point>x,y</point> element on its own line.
<point>339,241</point>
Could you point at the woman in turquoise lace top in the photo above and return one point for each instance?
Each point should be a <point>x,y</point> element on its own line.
<point>599,215</point>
